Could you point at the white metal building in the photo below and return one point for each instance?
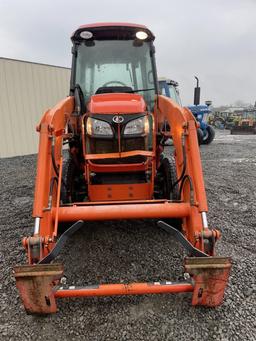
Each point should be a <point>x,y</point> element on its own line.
<point>27,90</point>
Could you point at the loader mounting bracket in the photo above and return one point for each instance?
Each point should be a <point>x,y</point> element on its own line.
<point>210,275</point>
<point>35,284</point>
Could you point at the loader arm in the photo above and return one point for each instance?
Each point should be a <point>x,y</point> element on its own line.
<point>184,135</point>
<point>48,177</point>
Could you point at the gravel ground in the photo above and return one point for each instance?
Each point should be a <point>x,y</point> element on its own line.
<point>138,251</point>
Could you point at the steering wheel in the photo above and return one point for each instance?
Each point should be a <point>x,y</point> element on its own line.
<point>116,82</point>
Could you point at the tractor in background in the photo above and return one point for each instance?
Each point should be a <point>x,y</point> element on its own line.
<point>205,132</point>
<point>245,123</point>
<point>169,88</point>
<point>201,113</point>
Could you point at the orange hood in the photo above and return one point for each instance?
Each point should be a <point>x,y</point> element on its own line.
<point>116,103</point>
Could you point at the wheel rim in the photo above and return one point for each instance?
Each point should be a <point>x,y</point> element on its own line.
<point>206,135</point>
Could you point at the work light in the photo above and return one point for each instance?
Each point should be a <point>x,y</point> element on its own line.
<point>86,34</point>
<point>141,35</point>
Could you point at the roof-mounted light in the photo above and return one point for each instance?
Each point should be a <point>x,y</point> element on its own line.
<point>86,34</point>
<point>141,35</point>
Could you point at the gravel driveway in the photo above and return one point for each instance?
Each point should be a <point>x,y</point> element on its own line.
<point>138,251</point>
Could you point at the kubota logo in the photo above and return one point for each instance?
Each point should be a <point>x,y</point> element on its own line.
<point>118,119</point>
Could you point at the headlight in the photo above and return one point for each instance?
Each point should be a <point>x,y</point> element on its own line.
<point>98,128</point>
<point>139,126</point>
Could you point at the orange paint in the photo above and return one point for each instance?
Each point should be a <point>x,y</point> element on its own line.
<point>125,289</point>
<point>123,211</point>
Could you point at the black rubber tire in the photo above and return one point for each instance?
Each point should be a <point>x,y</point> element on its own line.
<point>65,188</point>
<point>200,136</point>
<point>170,192</point>
<point>210,135</point>
<point>168,169</point>
<point>70,173</point>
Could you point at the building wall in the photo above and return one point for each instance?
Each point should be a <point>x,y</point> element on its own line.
<point>27,90</point>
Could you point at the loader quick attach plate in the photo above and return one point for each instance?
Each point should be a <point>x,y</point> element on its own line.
<point>38,284</point>
<point>210,275</point>
<point>35,284</point>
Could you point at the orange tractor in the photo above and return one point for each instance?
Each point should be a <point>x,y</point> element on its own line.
<point>114,122</point>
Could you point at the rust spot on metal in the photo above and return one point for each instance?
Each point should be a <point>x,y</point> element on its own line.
<point>210,275</point>
<point>35,284</point>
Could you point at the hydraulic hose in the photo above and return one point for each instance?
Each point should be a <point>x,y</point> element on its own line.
<point>184,162</point>
<point>187,177</point>
<point>54,163</point>
<point>56,169</point>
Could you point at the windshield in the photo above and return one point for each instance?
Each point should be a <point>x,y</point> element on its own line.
<point>174,94</point>
<point>116,63</point>
<point>170,90</point>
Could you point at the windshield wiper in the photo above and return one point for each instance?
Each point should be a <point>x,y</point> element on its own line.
<point>132,91</point>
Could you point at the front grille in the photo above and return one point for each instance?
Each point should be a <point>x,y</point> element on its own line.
<point>104,146</point>
<point>107,145</point>
<point>128,144</point>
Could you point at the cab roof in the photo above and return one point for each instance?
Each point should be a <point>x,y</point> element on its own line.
<point>112,30</point>
<point>168,81</point>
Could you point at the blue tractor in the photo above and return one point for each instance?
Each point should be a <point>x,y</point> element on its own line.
<point>205,133</point>
<point>169,88</point>
<point>201,112</point>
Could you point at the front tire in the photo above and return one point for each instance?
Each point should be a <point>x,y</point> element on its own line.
<point>73,188</point>
<point>209,136</point>
<point>200,136</point>
<point>168,189</point>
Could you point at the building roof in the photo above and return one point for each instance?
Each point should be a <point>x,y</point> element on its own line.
<point>26,61</point>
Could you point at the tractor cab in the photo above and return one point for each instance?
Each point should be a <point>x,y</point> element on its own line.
<point>114,83</point>
<point>114,58</point>
<point>170,88</point>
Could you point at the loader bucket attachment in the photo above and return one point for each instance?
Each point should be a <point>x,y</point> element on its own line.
<point>35,284</point>
<point>210,276</point>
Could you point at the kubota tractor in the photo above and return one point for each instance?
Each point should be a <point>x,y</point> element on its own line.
<point>114,123</point>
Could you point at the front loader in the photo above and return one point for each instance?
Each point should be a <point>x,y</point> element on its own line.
<point>114,122</point>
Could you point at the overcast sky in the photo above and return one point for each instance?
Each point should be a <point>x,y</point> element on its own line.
<point>213,39</point>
